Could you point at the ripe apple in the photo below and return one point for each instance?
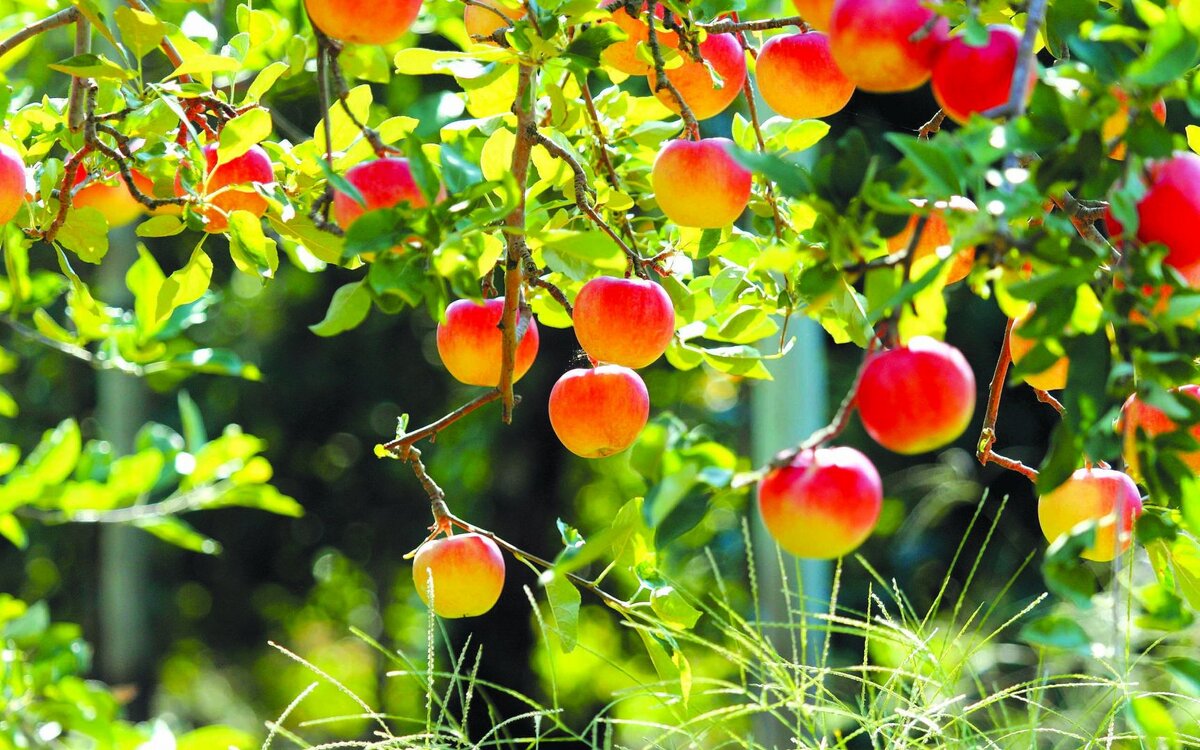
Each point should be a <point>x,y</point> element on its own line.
<point>936,242</point>
<point>1169,212</point>
<point>918,397</point>
<point>798,78</point>
<point>1137,414</point>
<point>363,21</point>
<point>599,411</point>
<point>12,183</point>
<point>483,22</point>
<point>470,342</point>
<point>1092,495</point>
<point>824,504</point>
<point>109,195</point>
<point>815,12</point>
<point>223,198</point>
<point>967,79</point>
<point>383,183</point>
<point>870,40</point>
<point>623,55</point>
<point>1054,377</point>
<point>625,322</point>
<point>1118,122</point>
<point>703,95</point>
<point>698,184</point>
<point>467,572</point>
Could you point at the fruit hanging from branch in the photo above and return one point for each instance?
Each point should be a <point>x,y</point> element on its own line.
<point>470,343</point>
<point>798,78</point>
<point>600,411</point>
<point>228,186</point>
<point>885,46</point>
<point>12,183</point>
<point>1097,496</point>
<point>705,96</point>
<point>625,322</point>
<point>713,202</point>
<point>464,571</point>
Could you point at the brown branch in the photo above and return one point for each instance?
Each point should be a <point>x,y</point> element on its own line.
<point>690,126</point>
<point>737,26</point>
<point>430,431</point>
<point>333,68</point>
<point>934,125</point>
<point>61,18</point>
<point>1046,398</point>
<point>76,114</point>
<point>987,436</point>
<point>602,156</point>
<point>752,109</point>
<point>319,212</point>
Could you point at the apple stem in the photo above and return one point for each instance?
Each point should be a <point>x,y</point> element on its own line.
<point>987,436</point>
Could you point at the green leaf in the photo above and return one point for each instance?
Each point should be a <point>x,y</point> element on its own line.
<point>11,529</point>
<point>934,162</point>
<point>673,609</point>
<point>1151,719</point>
<point>176,532</point>
<point>92,65</point>
<point>160,226</point>
<point>214,361</point>
<point>252,251</point>
<point>141,32</point>
<point>183,287</point>
<point>1186,672</point>
<point>216,737</point>
<point>564,607</point>
<point>85,233</point>
<point>347,309</point>
<point>1058,632</point>
<point>145,279</point>
<point>265,79</point>
<point>194,434</point>
<point>242,132</point>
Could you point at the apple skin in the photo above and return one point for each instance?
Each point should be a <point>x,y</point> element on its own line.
<point>254,166</point>
<point>816,12</point>
<point>363,21</point>
<point>1136,414</point>
<point>824,504</point>
<point>918,397</point>
<point>870,42</point>
<point>467,571</point>
<point>110,196</point>
<point>798,78</point>
<point>599,411</point>
<point>626,322</point>
<point>12,183</point>
<point>1118,122</point>
<point>622,55</point>
<point>1092,494</point>
<point>936,241</point>
<point>470,343</point>
<point>1053,378</point>
<point>695,84</point>
<point>384,183</point>
<point>698,184</point>
<point>968,80</point>
<point>483,22</point>
<point>1169,212</point>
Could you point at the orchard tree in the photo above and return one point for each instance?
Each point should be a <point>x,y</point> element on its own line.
<point>585,185</point>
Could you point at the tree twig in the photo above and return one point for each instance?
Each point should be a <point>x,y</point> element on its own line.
<point>752,109</point>
<point>61,18</point>
<point>987,436</point>
<point>661,81</point>
<point>737,26</point>
<point>603,157</point>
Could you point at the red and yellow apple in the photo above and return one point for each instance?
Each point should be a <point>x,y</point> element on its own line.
<point>625,322</point>
<point>227,188</point>
<point>698,184</point>
<point>383,183</point>
<point>623,55</point>
<point>1118,122</point>
<point>109,195</point>
<point>916,398</point>
<point>363,21</point>
<point>485,21</point>
<point>822,505</point>
<point>1098,495</point>
<point>871,41</point>
<point>1054,377</point>
<point>935,242</point>
<point>1138,415</point>
<point>968,80</point>
<point>798,78</point>
<point>815,12</point>
<point>467,572</point>
<point>12,183</point>
<point>470,343</point>
<point>599,411</point>
<point>705,96</point>
<point>1170,211</point>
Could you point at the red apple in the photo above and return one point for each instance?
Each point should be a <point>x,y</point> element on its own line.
<point>1054,377</point>
<point>936,242</point>
<point>798,78</point>
<point>705,96</point>
<point>383,183</point>
<point>625,322</point>
<point>467,572</point>
<point>815,12</point>
<point>871,42</point>
<point>1118,122</point>
<point>109,195</point>
<point>623,55</point>
<point>599,411</point>
<point>363,21</point>
<point>12,183</point>
<point>1169,212</point>
<point>1137,414</point>
<point>698,184</point>
<point>824,504</point>
<point>918,397</point>
<point>481,21</point>
<point>470,343</point>
<point>1092,495</point>
<point>220,187</point>
<point>969,80</point>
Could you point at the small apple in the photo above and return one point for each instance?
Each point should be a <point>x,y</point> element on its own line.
<point>871,41</point>
<point>969,80</point>
<point>467,572</point>
<point>1169,212</point>
<point>698,184</point>
<point>219,186</point>
<point>599,411</point>
<point>363,21</point>
<point>623,55</point>
<point>798,78</point>
<point>109,195</point>
<point>694,81</point>
<point>1137,414</point>
<point>12,183</point>
<point>824,504</point>
<point>1054,377</point>
<point>1118,122</point>
<point>917,397</point>
<point>481,21</point>
<point>1092,495</point>
<point>936,242</point>
<point>625,322</point>
<point>815,12</point>
<point>470,343</point>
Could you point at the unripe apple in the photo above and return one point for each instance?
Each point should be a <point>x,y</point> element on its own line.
<point>798,78</point>
<point>12,183</point>
<point>363,21</point>
<point>698,183</point>
<point>1093,495</point>
<point>625,322</point>
<point>220,185</point>
<point>918,397</point>
<point>1170,211</point>
<point>968,80</point>
<point>483,22</point>
<point>1137,414</point>
<point>822,505</point>
<point>1054,377</point>
<point>467,572</point>
<point>471,343</point>
<point>623,55</point>
<point>815,12</point>
<point>111,196</point>
<point>935,241</point>
<point>599,411</point>
<point>871,42</point>
<point>704,95</point>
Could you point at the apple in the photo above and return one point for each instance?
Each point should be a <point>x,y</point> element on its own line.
<point>815,12</point>
<point>467,572</point>
<point>625,322</point>
<point>109,195</point>
<point>12,183</point>
<point>798,78</point>
<point>623,55</point>
<point>704,95</point>
<point>1118,122</point>
<point>968,80</point>
<point>1054,377</point>
<point>470,342</point>
<point>252,167</point>
<point>363,21</point>
<point>383,183</point>
<point>599,411</point>
<point>822,505</point>
<point>917,397</point>
<point>936,242</point>
<point>1137,414</point>
<point>483,22</point>
<point>698,184</point>
<point>1169,212</point>
<point>870,40</point>
<point>1092,495</point>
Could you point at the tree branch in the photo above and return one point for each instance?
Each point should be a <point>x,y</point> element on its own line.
<point>61,18</point>
<point>737,26</point>
<point>752,108</point>
<point>602,155</point>
<point>690,126</point>
<point>987,436</point>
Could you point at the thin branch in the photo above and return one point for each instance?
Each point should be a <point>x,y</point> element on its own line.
<point>61,18</point>
<point>73,350</point>
<point>172,506</point>
<point>752,108</point>
<point>1046,398</point>
<point>76,114</point>
<point>333,68</point>
<point>661,81</point>
<point>987,436</point>
<point>430,431</point>
<point>603,158</point>
<point>737,26</point>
